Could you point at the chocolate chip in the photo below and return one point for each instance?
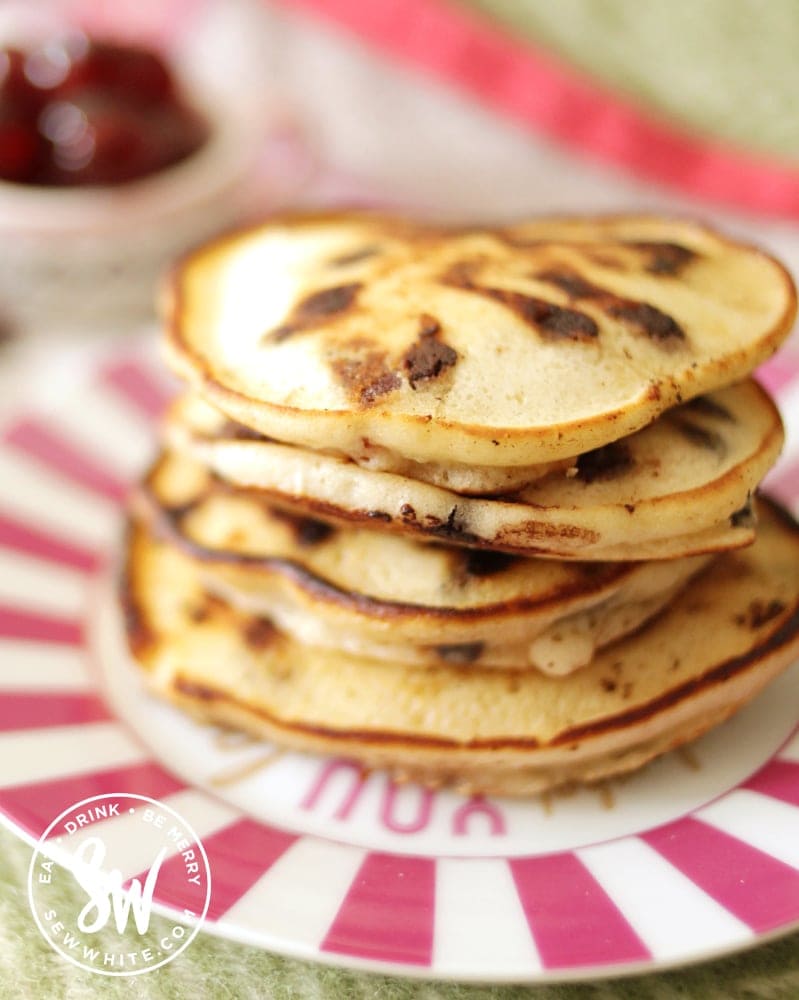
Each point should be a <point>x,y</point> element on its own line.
<point>710,408</point>
<point>760,613</point>
<point>259,633</point>
<point>745,517</point>
<point>461,653</point>
<point>483,562</point>
<point>603,463</point>
<point>429,356</point>
<point>307,531</point>
<point>232,429</point>
<point>451,528</point>
<point>355,256</point>
<point>573,284</point>
<point>664,258</point>
<point>378,515</point>
<point>701,436</point>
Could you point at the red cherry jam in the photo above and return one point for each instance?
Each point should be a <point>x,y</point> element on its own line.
<point>74,112</point>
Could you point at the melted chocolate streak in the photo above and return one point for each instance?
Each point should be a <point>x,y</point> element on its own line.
<point>561,323</point>
<point>661,328</point>
<point>315,309</point>
<point>552,321</point>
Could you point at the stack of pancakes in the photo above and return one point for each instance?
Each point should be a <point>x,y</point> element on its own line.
<point>474,505</point>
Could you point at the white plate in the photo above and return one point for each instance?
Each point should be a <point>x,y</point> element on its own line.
<point>696,856</point>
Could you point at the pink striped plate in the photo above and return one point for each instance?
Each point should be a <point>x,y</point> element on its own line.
<point>697,857</point>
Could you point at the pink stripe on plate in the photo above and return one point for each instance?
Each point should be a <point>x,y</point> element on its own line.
<point>16,623</point>
<point>783,483</point>
<point>572,919</point>
<point>26,710</point>
<point>46,446</point>
<point>35,542</point>
<point>388,911</point>
<point>139,386</point>
<point>758,889</point>
<point>238,856</point>
<point>777,373</point>
<point>779,779</point>
<point>36,805</point>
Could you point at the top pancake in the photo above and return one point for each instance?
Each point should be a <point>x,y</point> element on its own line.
<point>495,347</point>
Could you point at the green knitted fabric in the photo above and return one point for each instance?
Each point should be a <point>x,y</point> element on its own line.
<point>728,68</point>
<point>211,969</point>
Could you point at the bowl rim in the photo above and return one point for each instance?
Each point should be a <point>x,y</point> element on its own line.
<point>218,166</point>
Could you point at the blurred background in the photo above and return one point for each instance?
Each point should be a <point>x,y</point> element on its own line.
<point>455,108</point>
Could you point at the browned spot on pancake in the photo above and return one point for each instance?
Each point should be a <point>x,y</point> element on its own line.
<point>663,258</point>
<point>551,321</point>
<point>608,684</point>
<point>570,282</point>
<point>460,653</point>
<point>700,436</point>
<point>364,371</point>
<point>760,613</point>
<point>710,408</point>
<point>354,256</point>
<point>483,563</point>
<point>661,328</point>
<point>259,633</point>
<point>608,462</point>
<point>307,531</point>
<point>315,309</point>
<point>533,530</point>
<point>429,356</point>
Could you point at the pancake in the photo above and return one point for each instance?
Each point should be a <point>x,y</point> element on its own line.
<point>733,629</point>
<point>679,487</point>
<point>389,597</point>
<point>469,347</point>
